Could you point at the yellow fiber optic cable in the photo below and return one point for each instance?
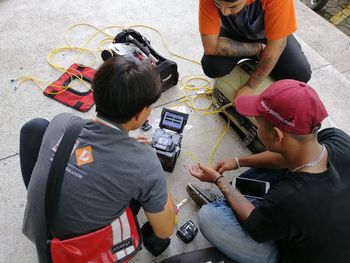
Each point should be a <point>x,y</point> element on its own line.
<point>188,83</point>
<point>164,42</point>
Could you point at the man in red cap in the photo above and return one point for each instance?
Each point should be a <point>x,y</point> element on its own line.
<point>304,216</point>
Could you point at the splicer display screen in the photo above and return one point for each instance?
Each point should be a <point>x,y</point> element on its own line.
<point>172,121</point>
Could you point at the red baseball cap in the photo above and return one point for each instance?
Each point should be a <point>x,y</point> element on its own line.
<point>291,105</point>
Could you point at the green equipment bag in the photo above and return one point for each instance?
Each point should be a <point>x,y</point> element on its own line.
<point>224,89</point>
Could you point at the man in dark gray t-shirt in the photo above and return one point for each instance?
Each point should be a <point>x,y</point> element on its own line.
<point>107,169</point>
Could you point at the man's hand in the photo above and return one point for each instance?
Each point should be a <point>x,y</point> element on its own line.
<point>226,165</point>
<point>204,173</point>
<point>244,90</point>
<point>143,139</point>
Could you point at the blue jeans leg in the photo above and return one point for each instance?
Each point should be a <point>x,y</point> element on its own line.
<point>221,228</point>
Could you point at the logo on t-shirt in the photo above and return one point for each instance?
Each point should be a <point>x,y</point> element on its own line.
<point>84,155</point>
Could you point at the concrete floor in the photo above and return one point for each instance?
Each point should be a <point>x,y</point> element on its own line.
<point>325,39</point>
<point>29,30</point>
<point>336,12</point>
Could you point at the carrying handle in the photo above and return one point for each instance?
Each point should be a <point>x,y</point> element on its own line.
<point>127,34</point>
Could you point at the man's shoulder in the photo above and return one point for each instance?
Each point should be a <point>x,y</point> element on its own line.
<point>330,134</point>
<point>267,3</point>
<point>61,120</point>
<point>284,190</point>
<point>64,118</point>
<point>142,155</point>
<point>206,2</point>
<point>335,139</point>
<point>58,125</point>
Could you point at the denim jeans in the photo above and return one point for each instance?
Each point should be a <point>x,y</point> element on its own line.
<point>222,229</point>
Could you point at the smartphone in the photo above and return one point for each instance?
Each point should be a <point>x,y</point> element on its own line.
<point>250,187</point>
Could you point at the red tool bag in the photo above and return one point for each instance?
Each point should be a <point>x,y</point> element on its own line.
<point>58,90</point>
<point>117,242</point>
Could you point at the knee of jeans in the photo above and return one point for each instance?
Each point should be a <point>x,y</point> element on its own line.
<point>212,69</point>
<point>304,72</point>
<point>301,74</point>
<point>34,125</point>
<point>207,214</point>
<point>214,73</point>
<point>203,214</point>
<point>204,219</point>
<point>307,74</point>
<point>36,122</point>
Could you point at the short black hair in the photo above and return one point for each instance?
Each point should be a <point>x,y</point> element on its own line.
<point>123,86</point>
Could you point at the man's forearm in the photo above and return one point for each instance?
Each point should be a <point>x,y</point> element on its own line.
<point>232,48</point>
<point>241,206</point>
<point>266,63</point>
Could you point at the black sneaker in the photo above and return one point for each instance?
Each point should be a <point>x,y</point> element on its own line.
<point>202,196</point>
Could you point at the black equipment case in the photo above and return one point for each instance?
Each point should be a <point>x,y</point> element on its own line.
<point>130,37</point>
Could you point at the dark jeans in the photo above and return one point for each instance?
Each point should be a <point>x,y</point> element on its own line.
<point>292,63</point>
<point>31,135</point>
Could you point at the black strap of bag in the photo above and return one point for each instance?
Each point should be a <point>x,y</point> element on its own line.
<point>57,171</point>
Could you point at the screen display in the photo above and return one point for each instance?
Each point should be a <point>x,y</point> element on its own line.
<point>251,187</point>
<point>173,121</point>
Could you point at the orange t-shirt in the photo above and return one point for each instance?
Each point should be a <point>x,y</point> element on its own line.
<point>279,17</point>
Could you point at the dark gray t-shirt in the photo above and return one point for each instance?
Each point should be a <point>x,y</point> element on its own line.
<point>107,169</point>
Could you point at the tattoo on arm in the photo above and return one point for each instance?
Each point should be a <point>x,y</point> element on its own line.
<point>232,48</point>
<point>238,203</point>
<point>267,61</point>
<point>263,69</point>
<point>267,58</point>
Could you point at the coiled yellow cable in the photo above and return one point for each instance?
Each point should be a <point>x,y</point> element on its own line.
<point>188,83</point>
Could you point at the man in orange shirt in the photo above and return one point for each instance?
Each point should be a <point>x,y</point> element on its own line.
<point>258,29</point>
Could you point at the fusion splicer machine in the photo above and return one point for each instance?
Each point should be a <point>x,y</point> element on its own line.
<point>167,138</point>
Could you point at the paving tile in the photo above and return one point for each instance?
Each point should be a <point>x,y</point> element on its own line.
<point>333,45</point>
<point>13,246</point>
<point>334,92</point>
<point>335,11</point>
<point>347,74</point>
<point>29,30</point>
